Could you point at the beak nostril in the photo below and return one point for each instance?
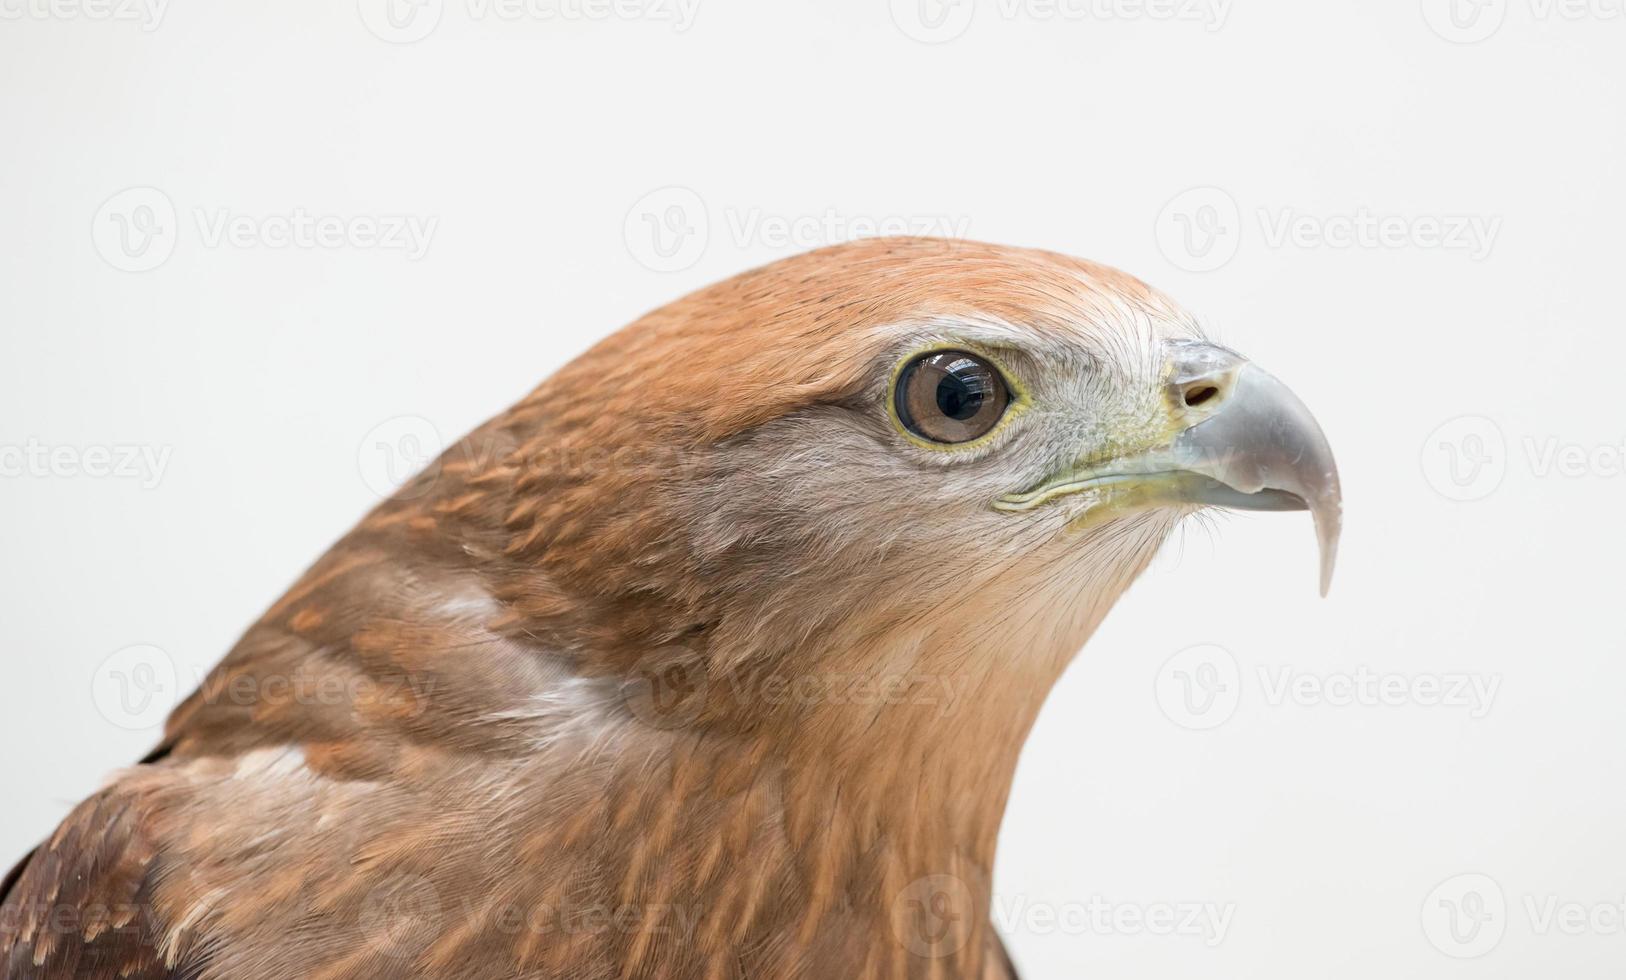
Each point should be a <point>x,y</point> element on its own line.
<point>1198,394</point>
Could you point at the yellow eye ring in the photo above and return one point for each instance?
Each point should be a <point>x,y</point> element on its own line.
<point>952,397</point>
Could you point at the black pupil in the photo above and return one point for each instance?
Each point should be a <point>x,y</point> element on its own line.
<point>961,391</point>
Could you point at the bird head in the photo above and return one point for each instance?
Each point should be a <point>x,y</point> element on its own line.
<point>898,457</point>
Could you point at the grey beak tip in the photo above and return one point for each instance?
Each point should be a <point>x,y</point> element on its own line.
<point>1329,523</point>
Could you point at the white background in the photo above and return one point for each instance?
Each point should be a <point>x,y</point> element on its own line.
<point>539,145</point>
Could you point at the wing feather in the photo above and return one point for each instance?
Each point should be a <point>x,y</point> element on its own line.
<point>81,905</point>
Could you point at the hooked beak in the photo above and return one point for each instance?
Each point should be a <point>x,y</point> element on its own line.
<point>1244,442</point>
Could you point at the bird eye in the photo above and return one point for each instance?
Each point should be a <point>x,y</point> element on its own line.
<point>950,397</point>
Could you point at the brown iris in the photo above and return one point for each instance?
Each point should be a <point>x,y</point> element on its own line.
<point>950,397</point>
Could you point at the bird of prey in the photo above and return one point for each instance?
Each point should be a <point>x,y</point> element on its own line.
<point>710,658</point>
